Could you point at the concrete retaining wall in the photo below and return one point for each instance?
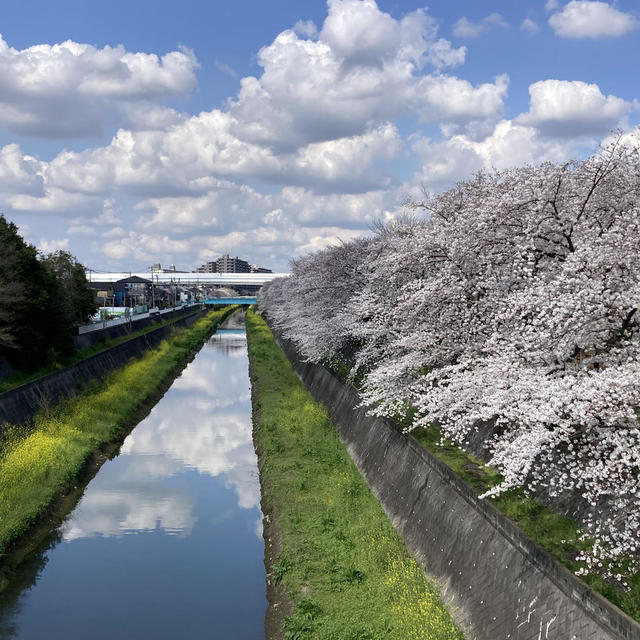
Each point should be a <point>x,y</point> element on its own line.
<point>499,583</point>
<point>20,405</point>
<point>85,340</point>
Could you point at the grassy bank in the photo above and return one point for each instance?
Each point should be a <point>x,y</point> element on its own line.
<point>18,377</point>
<point>36,466</point>
<point>342,564</point>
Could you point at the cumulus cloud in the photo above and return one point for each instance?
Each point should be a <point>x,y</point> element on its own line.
<point>364,66</point>
<point>233,208</point>
<point>306,28</point>
<point>465,28</point>
<point>457,105</point>
<point>94,225</point>
<point>270,242</point>
<point>143,116</point>
<point>319,116</point>
<point>305,153</point>
<point>509,145</point>
<point>19,173</point>
<point>144,246</point>
<point>226,205</point>
<point>591,19</point>
<point>49,245</point>
<point>569,109</point>
<point>74,90</point>
<point>194,156</point>
<point>53,199</point>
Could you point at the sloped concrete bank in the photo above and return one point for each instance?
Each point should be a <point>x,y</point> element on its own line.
<point>84,340</point>
<point>500,584</point>
<point>19,405</point>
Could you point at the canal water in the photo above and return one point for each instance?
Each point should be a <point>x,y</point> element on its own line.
<point>166,541</point>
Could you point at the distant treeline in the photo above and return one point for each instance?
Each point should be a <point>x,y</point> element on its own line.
<point>42,297</point>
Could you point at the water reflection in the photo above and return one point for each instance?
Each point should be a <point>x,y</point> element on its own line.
<point>203,423</point>
<point>188,474</point>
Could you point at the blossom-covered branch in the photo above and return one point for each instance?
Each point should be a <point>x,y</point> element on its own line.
<point>510,309</point>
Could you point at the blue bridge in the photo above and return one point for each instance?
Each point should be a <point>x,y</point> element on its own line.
<point>236,300</point>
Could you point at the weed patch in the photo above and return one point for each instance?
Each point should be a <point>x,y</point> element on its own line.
<point>343,565</point>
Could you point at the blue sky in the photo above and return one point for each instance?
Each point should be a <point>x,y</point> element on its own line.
<point>270,130</point>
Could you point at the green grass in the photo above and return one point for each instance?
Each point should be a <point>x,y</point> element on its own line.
<point>343,565</point>
<point>18,377</point>
<point>38,465</point>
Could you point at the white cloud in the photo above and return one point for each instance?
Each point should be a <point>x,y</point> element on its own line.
<point>227,205</point>
<point>529,26</point>
<point>347,159</point>
<point>301,155</point>
<point>592,19</point>
<point>358,33</point>
<point>54,199</point>
<point>364,66</point>
<point>188,157</point>
<point>316,125</point>
<point>457,105</point>
<point>145,246</point>
<point>82,230</point>
<point>510,144</point>
<point>19,173</point>
<point>48,246</point>
<point>569,109</point>
<point>139,116</point>
<point>354,211</point>
<point>237,213</point>
<point>90,226</point>
<point>318,116</point>
<point>465,28</point>
<point>271,243</point>
<point>74,90</point>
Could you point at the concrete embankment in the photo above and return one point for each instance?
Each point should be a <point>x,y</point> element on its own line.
<point>20,405</point>
<point>89,338</point>
<point>500,583</point>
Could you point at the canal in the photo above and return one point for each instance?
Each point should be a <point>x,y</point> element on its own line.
<point>166,541</point>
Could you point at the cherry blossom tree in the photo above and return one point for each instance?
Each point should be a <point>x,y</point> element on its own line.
<point>508,314</point>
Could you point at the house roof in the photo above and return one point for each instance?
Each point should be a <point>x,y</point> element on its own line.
<point>134,279</point>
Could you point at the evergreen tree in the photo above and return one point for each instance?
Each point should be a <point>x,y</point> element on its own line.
<point>26,301</point>
<point>41,299</point>
<point>76,303</point>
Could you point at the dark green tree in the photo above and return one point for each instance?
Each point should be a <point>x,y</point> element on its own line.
<point>28,325</point>
<point>76,302</point>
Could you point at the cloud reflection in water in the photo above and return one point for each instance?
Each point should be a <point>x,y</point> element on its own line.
<point>203,423</point>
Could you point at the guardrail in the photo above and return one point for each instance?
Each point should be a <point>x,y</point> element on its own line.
<point>104,324</point>
<point>231,300</point>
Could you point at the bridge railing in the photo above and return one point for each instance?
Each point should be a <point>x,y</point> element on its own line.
<point>231,300</point>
